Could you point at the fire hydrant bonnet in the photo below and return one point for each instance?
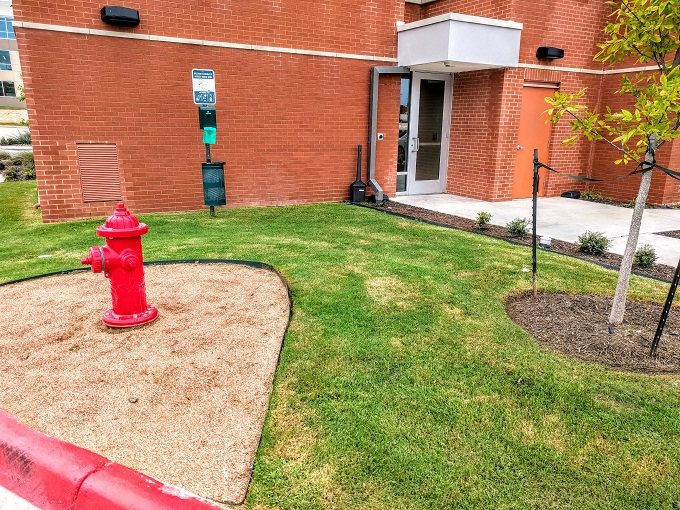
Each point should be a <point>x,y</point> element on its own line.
<point>122,224</point>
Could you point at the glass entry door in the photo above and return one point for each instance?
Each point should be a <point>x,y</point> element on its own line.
<point>429,126</point>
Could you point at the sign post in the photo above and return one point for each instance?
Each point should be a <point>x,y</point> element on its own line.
<point>205,95</point>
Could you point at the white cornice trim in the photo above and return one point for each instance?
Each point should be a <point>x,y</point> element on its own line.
<point>630,70</point>
<point>295,51</point>
<point>465,18</point>
<point>199,42</point>
<point>583,70</point>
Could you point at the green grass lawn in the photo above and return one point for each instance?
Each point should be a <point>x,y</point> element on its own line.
<point>402,382</point>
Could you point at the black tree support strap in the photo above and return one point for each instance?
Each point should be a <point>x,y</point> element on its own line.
<point>638,170</point>
<point>670,173</point>
<point>641,168</point>
<point>571,176</point>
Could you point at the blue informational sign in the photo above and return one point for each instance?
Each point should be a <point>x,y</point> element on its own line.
<point>203,81</point>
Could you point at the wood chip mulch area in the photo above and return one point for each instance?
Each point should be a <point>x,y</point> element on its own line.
<point>576,325</point>
<point>182,399</point>
<point>658,271</point>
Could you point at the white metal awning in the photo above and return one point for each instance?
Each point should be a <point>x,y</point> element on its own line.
<point>453,43</point>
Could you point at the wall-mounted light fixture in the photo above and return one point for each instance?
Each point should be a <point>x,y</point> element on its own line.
<point>548,53</point>
<point>120,16</point>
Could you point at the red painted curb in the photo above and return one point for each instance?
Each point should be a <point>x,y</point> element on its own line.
<point>54,475</point>
<point>117,487</point>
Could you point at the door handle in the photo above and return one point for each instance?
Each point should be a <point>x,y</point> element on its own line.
<point>416,144</point>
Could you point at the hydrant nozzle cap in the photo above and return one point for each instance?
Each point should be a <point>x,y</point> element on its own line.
<point>94,259</point>
<point>122,224</point>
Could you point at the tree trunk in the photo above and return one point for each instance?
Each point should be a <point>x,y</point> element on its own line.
<point>619,304</point>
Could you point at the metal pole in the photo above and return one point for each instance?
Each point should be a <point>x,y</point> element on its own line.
<point>665,312</point>
<point>534,239</point>
<point>359,150</point>
<point>208,159</point>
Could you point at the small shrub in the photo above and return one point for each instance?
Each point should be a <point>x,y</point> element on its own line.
<point>13,173</point>
<point>4,156</point>
<point>592,196</point>
<point>29,173</point>
<point>645,256</point>
<point>23,138</point>
<point>593,243</point>
<point>19,168</point>
<point>483,219</point>
<point>518,227</point>
<point>26,158</point>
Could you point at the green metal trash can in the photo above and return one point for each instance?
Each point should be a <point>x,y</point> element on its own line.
<point>214,192</point>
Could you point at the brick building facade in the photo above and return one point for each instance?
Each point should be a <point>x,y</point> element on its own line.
<point>112,114</point>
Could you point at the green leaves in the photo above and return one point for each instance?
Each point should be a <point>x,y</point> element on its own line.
<point>647,30</point>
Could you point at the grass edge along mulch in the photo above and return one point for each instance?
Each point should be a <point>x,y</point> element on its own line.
<point>576,326</point>
<point>607,260</point>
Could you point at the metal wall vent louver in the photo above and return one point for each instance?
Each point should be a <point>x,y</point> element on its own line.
<point>99,176</point>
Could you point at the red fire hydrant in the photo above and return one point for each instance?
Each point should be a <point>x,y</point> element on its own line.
<point>122,263</point>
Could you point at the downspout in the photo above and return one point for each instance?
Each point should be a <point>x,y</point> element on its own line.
<point>373,122</point>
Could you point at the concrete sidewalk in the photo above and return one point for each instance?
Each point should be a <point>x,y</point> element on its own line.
<point>566,219</point>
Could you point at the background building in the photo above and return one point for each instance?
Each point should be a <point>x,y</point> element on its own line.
<point>10,67</point>
<point>455,105</point>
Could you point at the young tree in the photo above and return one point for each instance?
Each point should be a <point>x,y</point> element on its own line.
<point>648,31</point>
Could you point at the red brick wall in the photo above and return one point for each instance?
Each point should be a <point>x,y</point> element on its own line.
<point>288,125</point>
<point>488,111</point>
<point>485,122</point>
<point>365,27</point>
<point>669,156</point>
<point>663,190</point>
<point>574,25</point>
<point>412,12</point>
<point>499,9</point>
<point>474,124</point>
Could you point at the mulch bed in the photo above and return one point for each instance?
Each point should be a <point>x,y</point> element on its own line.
<point>627,205</point>
<point>182,399</point>
<point>612,260</point>
<point>670,233</point>
<point>576,325</point>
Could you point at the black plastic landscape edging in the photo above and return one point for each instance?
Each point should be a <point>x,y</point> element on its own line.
<point>249,263</point>
<point>516,243</point>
